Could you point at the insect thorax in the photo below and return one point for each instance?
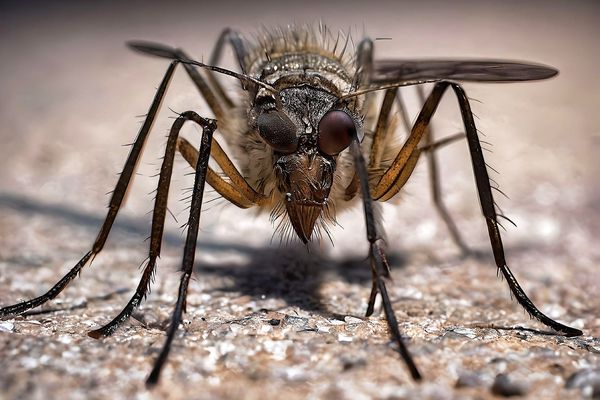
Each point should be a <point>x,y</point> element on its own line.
<point>308,86</point>
<point>316,70</point>
<point>309,77</point>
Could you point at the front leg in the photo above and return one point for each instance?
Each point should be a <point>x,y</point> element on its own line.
<point>379,266</point>
<point>189,252</point>
<point>237,190</point>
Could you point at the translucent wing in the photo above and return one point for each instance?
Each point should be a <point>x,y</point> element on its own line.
<point>397,71</point>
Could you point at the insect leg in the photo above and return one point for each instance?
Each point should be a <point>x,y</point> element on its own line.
<point>212,91</point>
<point>189,251</point>
<point>442,142</point>
<point>489,211</point>
<point>238,191</point>
<point>436,188</point>
<point>377,258</point>
<point>203,87</point>
<point>362,77</point>
<point>381,128</point>
<point>403,165</point>
<point>158,224</point>
<point>113,208</point>
<point>364,64</point>
<point>395,177</point>
<point>378,140</point>
<point>233,38</point>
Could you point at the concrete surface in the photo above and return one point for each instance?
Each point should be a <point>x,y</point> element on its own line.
<point>266,320</point>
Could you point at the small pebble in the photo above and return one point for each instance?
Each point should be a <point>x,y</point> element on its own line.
<point>468,332</point>
<point>503,386</point>
<point>264,329</point>
<point>349,363</point>
<point>235,328</point>
<point>587,380</point>
<point>296,321</point>
<point>295,373</point>
<point>323,329</point>
<point>344,338</point>
<point>587,345</point>
<point>6,326</point>
<point>492,334</point>
<point>353,320</point>
<point>468,379</point>
<point>65,339</point>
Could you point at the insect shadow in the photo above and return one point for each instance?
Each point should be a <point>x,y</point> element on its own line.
<point>292,274</point>
<point>286,272</point>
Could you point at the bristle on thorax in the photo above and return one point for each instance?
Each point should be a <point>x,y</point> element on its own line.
<point>286,50</point>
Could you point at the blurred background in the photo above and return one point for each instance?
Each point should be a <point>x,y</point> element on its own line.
<point>72,94</point>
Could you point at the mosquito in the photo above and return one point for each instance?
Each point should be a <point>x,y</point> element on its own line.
<point>310,137</point>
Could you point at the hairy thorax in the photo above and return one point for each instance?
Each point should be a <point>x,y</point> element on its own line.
<point>304,184</point>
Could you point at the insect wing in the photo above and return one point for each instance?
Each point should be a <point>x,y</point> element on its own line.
<point>154,49</point>
<point>397,71</point>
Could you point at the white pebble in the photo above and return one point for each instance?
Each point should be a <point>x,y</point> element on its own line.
<point>323,329</point>
<point>344,338</point>
<point>6,326</point>
<point>470,333</point>
<point>264,329</point>
<point>353,320</point>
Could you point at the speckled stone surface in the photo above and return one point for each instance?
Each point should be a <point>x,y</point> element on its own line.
<point>267,320</point>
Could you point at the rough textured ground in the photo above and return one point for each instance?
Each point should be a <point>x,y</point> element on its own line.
<point>266,320</point>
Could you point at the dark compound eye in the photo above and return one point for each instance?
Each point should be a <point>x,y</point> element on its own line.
<point>336,131</point>
<point>278,131</point>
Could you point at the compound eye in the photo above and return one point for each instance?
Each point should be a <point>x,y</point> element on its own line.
<point>278,131</point>
<point>336,131</point>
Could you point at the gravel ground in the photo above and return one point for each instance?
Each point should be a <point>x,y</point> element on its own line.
<point>270,320</point>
